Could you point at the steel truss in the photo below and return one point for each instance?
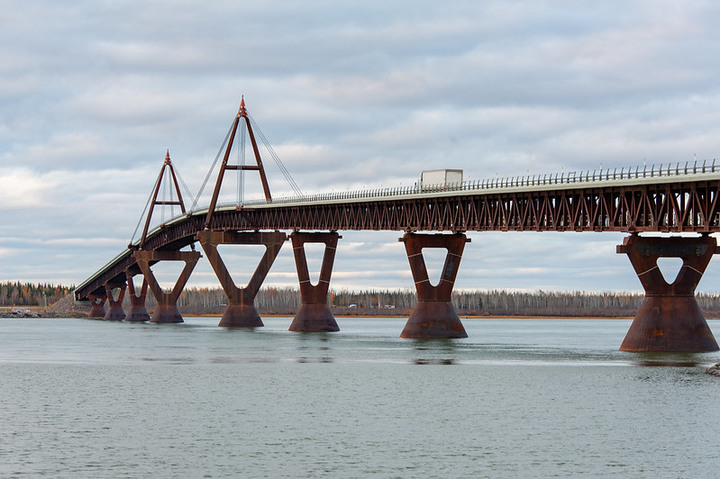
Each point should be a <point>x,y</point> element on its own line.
<point>673,207</point>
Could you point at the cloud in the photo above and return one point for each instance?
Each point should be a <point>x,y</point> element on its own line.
<point>351,96</point>
<point>23,188</point>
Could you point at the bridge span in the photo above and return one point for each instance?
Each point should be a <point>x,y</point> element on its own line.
<point>679,198</point>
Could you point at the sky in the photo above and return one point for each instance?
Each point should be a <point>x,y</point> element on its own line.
<point>351,95</point>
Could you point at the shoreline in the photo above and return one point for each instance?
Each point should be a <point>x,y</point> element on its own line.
<point>37,313</point>
<point>405,316</point>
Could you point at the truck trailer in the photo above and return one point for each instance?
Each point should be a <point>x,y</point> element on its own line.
<point>440,178</point>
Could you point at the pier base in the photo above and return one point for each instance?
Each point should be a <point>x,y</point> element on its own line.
<point>241,311</point>
<point>138,311</point>
<point>434,316</point>
<point>98,305</point>
<point>166,311</point>
<point>314,314</point>
<point>115,311</point>
<point>669,318</point>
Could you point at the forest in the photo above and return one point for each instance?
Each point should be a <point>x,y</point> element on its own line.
<point>29,294</point>
<point>469,303</point>
<point>286,301</point>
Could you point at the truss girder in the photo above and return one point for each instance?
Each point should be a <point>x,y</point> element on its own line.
<point>667,208</point>
<point>664,208</point>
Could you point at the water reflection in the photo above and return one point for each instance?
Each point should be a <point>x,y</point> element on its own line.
<point>679,360</point>
<point>435,361</point>
<point>308,343</point>
<point>435,351</point>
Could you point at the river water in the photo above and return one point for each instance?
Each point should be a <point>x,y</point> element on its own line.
<point>518,398</point>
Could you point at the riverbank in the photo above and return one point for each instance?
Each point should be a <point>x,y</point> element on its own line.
<point>74,314</point>
<point>372,303</point>
<point>67,307</point>
<point>36,312</point>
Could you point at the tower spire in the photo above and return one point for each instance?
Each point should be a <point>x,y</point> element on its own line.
<point>242,111</point>
<point>156,190</point>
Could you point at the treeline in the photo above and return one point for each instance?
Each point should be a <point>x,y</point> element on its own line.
<point>572,304</point>
<point>401,302</point>
<point>286,301</point>
<point>503,303</point>
<point>213,301</point>
<point>30,294</point>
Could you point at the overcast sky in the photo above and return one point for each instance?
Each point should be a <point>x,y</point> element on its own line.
<point>351,95</point>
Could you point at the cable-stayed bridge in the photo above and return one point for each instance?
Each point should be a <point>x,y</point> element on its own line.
<point>677,198</point>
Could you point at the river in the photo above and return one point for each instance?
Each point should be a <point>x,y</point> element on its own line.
<point>518,398</point>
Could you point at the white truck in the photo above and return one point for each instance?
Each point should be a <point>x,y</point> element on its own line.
<point>440,178</point>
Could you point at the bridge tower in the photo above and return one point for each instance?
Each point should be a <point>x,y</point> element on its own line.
<point>166,311</point>
<point>167,169</point>
<point>242,115</point>
<point>314,313</point>
<point>669,318</point>
<point>240,311</point>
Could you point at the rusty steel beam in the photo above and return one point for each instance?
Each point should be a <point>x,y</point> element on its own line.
<point>138,311</point>
<point>434,316</point>
<point>669,318</point>
<point>166,311</point>
<point>115,311</point>
<point>241,311</point>
<point>314,314</point>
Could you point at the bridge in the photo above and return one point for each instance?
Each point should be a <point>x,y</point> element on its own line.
<point>678,198</point>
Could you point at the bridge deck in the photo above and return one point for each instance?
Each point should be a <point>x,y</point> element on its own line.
<point>670,199</point>
<point>528,184</point>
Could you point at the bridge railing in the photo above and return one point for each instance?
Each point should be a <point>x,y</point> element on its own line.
<point>588,176</point>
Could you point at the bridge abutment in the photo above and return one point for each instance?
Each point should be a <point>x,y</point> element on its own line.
<point>241,311</point>
<point>314,314</point>
<point>166,310</point>
<point>669,318</point>
<point>115,311</point>
<point>98,305</point>
<point>138,311</point>
<point>434,316</point>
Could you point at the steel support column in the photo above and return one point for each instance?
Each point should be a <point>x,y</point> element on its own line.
<point>98,305</point>
<point>434,316</point>
<point>115,311</point>
<point>314,314</point>
<point>241,311</point>
<point>166,311</point>
<point>669,318</point>
<point>138,311</point>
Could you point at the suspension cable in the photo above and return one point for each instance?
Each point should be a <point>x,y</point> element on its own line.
<point>275,157</point>
<point>142,215</point>
<point>239,174</point>
<point>207,177</point>
<point>241,161</point>
<point>164,197</point>
<point>187,191</point>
